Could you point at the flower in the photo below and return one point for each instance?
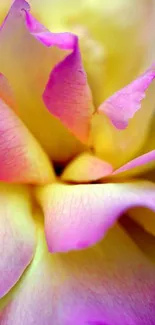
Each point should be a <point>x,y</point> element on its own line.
<point>77,192</point>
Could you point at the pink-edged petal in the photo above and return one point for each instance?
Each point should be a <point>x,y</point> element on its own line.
<point>86,168</point>
<point>21,157</point>
<point>112,283</point>
<point>137,166</point>
<point>77,216</point>
<point>28,72</point>
<point>68,97</point>
<point>122,106</point>
<point>17,234</point>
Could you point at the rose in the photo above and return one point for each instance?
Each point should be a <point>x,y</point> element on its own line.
<point>85,266</point>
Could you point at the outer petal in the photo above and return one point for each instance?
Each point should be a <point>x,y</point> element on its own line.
<point>17,234</point>
<point>21,157</point>
<point>77,216</point>
<point>122,106</point>
<point>137,166</point>
<point>28,81</point>
<point>86,168</point>
<point>112,283</point>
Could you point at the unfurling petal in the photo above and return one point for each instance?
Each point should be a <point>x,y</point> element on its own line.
<point>21,157</point>
<point>68,97</point>
<point>17,234</point>
<point>27,73</point>
<point>77,216</point>
<point>111,283</point>
<point>86,168</point>
<point>122,106</point>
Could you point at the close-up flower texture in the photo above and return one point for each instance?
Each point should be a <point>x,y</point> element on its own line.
<point>77,162</point>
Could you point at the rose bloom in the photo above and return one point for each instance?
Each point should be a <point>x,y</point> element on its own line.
<point>77,159</point>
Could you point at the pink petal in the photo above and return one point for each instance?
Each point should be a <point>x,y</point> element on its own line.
<point>122,106</point>
<point>137,165</point>
<point>86,168</point>
<point>77,216</point>
<point>112,283</point>
<point>67,95</point>
<point>17,234</point>
<point>21,157</point>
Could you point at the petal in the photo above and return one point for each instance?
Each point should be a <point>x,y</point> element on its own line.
<point>86,168</point>
<point>67,95</point>
<point>17,234</point>
<point>77,216</point>
<point>21,157</point>
<point>136,166</point>
<point>28,72</point>
<point>119,146</point>
<point>122,106</point>
<point>96,286</point>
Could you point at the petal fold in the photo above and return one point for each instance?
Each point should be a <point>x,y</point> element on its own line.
<point>17,234</point>
<point>122,106</point>
<point>78,216</point>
